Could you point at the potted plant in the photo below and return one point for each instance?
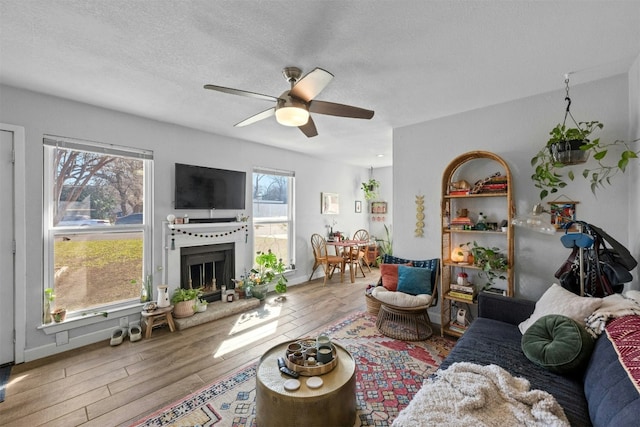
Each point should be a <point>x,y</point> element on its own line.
<point>370,189</point>
<point>385,245</point>
<point>201,305</point>
<point>184,301</point>
<point>570,146</point>
<point>491,261</point>
<point>268,267</point>
<point>59,314</point>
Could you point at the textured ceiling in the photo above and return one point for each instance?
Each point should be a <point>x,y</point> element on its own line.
<point>410,61</point>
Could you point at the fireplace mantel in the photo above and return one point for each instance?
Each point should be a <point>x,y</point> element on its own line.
<point>177,236</point>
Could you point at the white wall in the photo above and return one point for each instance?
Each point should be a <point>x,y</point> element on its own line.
<point>515,131</point>
<point>41,114</point>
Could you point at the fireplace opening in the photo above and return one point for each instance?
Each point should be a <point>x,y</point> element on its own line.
<point>208,267</point>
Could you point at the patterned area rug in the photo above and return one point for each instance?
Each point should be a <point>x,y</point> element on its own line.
<point>5,372</point>
<point>389,373</point>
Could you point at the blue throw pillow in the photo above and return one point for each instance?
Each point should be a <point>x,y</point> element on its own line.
<point>431,264</point>
<point>414,280</point>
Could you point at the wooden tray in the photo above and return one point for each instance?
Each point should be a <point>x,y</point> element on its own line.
<point>312,371</point>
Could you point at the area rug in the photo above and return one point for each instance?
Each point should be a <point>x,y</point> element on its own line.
<point>5,372</point>
<point>389,373</point>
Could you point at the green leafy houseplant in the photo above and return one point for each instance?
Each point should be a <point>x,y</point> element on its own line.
<point>370,189</point>
<point>267,269</point>
<point>181,294</point>
<point>386,244</point>
<point>491,261</point>
<point>549,169</point>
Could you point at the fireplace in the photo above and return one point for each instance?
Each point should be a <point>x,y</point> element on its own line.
<point>209,267</point>
<point>202,252</point>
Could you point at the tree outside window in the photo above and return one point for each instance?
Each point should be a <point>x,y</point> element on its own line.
<point>93,257</point>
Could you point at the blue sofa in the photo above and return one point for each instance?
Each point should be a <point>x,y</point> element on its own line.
<point>602,395</point>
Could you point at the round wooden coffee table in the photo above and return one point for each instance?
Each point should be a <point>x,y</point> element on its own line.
<point>333,404</point>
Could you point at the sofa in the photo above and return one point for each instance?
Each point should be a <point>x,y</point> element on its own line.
<point>600,393</point>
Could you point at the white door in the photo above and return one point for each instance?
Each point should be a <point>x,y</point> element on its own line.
<point>7,283</point>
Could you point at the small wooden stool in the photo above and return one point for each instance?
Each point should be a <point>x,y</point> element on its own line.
<point>158,317</point>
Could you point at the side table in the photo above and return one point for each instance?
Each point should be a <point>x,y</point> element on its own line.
<point>333,404</point>
<point>157,317</point>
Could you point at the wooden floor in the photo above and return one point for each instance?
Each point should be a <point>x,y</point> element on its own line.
<point>100,385</point>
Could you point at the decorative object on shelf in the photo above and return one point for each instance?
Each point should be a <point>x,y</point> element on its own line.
<point>496,183</point>
<point>482,222</point>
<point>329,203</point>
<point>463,278</point>
<point>58,315</point>
<point>460,255</point>
<point>571,146</point>
<point>419,232</point>
<point>49,298</point>
<point>358,206</point>
<point>150,307</point>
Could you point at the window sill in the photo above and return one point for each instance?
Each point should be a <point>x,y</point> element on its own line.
<point>79,320</point>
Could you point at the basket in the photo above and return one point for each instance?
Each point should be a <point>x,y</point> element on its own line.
<point>373,305</point>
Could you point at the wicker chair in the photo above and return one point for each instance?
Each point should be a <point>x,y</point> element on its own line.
<point>322,257</point>
<point>403,316</point>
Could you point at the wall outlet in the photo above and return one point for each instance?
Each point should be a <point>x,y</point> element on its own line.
<point>124,322</point>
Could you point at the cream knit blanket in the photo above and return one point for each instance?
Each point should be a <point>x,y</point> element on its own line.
<point>470,395</point>
<point>613,306</point>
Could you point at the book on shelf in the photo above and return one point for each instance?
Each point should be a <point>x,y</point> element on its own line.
<point>462,220</point>
<point>462,295</point>
<point>458,192</point>
<point>457,327</point>
<point>463,288</point>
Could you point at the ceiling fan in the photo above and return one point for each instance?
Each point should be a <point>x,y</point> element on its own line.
<point>293,106</point>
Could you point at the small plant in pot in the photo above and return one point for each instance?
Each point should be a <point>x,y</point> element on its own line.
<point>491,261</point>
<point>184,301</point>
<point>370,189</point>
<point>59,314</point>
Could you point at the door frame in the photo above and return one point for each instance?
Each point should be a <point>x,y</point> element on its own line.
<point>20,257</point>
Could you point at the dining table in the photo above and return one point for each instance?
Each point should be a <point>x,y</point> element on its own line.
<point>349,249</point>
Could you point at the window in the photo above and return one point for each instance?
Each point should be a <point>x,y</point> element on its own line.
<point>97,228</point>
<point>273,213</point>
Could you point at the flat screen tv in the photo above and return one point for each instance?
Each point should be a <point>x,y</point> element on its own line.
<point>199,187</point>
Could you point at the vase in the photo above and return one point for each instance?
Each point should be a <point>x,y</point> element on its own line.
<point>260,291</point>
<point>163,296</point>
<point>144,295</point>
<point>47,312</point>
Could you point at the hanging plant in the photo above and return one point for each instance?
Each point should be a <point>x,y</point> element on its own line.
<point>370,189</point>
<point>569,146</point>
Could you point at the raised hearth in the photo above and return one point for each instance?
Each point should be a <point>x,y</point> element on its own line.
<point>217,310</point>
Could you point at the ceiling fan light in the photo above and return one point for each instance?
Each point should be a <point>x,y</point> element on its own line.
<point>292,116</point>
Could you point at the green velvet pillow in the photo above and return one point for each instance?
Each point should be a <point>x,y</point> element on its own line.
<point>414,280</point>
<point>558,343</point>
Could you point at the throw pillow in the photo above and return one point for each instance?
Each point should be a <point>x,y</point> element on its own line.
<point>414,280</point>
<point>558,343</point>
<point>389,276</point>
<point>557,300</point>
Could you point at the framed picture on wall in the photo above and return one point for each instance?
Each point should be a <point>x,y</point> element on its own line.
<point>563,212</point>
<point>358,206</point>
<point>379,207</point>
<point>329,203</point>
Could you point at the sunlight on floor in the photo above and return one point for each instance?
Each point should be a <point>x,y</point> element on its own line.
<point>250,327</point>
<point>245,339</point>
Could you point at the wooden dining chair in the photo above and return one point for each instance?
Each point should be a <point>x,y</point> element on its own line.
<point>322,257</point>
<point>361,253</point>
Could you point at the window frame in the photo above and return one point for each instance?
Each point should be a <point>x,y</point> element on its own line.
<point>290,217</point>
<point>50,143</point>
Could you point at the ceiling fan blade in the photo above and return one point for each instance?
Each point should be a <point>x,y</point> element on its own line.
<point>257,117</point>
<point>309,86</point>
<point>309,128</point>
<point>241,92</point>
<point>340,110</point>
